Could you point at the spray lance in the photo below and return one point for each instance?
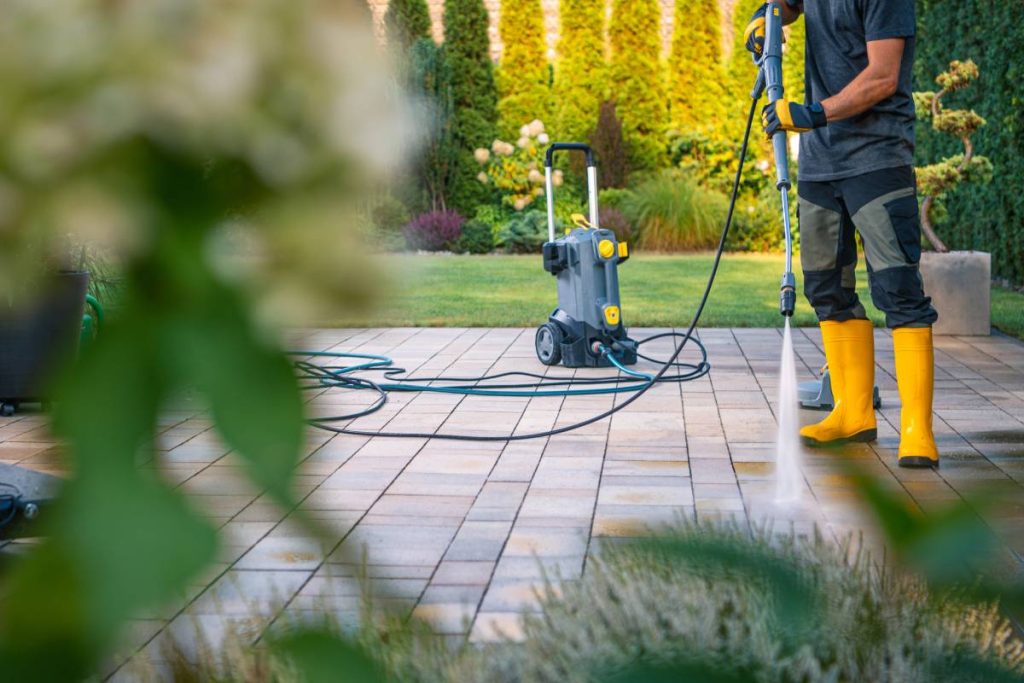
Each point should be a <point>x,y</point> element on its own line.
<point>769,77</point>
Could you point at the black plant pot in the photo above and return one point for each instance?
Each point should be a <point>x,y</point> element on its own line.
<point>37,340</point>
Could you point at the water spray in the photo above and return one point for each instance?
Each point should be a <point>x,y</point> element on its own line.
<point>769,80</point>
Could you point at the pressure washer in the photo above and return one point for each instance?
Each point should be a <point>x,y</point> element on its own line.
<point>586,329</point>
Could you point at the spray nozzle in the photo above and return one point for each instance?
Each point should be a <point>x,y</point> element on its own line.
<point>787,295</point>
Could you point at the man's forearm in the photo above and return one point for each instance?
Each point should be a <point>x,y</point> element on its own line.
<point>872,85</point>
<point>863,92</point>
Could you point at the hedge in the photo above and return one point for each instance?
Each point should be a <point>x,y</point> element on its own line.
<point>524,78</point>
<point>474,95</point>
<point>985,217</point>
<point>636,74</point>
<point>406,21</point>
<point>580,73</point>
<point>695,73</point>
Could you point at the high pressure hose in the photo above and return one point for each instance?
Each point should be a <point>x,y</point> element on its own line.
<point>320,376</point>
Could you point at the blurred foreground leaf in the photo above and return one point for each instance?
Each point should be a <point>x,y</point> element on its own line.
<point>322,657</point>
<point>251,389</point>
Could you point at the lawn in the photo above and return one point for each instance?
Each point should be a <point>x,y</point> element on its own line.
<point>657,290</point>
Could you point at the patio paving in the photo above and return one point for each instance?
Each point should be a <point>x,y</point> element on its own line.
<point>460,533</point>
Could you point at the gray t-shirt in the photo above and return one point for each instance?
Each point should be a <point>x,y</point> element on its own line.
<point>882,137</point>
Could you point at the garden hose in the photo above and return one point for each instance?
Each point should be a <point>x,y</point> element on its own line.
<point>319,376</point>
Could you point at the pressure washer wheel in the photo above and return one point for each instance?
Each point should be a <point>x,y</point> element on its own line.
<point>548,344</point>
<point>7,409</point>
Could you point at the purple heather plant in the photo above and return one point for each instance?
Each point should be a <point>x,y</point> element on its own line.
<point>434,230</point>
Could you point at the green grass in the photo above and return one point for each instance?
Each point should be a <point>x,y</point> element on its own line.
<point>657,290</point>
<point>1008,311</point>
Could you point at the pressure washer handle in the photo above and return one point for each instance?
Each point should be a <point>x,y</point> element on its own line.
<point>771,73</point>
<point>549,185</point>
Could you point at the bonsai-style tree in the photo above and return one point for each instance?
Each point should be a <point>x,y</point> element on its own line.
<point>935,180</point>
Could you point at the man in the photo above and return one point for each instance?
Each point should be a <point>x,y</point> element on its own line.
<point>857,177</point>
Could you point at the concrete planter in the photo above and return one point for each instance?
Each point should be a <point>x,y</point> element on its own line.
<point>960,285</point>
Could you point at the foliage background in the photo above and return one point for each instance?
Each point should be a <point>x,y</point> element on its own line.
<point>988,217</point>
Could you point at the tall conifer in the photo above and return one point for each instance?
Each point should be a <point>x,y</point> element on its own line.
<point>581,72</point>
<point>524,77</point>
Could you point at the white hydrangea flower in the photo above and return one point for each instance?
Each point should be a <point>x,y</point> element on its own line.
<point>543,138</point>
<point>482,177</point>
<point>497,146</point>
<point>524,131</point>
<point>482,155</point>
<point>557,178</point>
<point>519,204</point>
<point>535,176</point>
<point>523,143</point>
<point>535,128</point>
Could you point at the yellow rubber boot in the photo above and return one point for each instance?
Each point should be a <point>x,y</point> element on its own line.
<point>915,375</point>
<point>850,352</point>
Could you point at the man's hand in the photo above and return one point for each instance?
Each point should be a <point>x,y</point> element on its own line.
<point>753,37</point>
<point>794,118</point>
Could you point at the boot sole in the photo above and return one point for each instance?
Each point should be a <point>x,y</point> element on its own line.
<point>867,436</point>
<point>919,462</point>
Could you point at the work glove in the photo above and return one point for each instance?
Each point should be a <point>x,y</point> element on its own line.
<point>753,37</point>
<point>795,118</point>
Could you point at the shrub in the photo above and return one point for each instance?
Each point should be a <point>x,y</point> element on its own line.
<point>672,212</point>
<point>637,74</point>
<point>496,217</point>
<point>581,73</point>
<point>610,147</point>
<point>516,171</point>
<point>389,215</point>
<point>474,96</point>
<point>656,605</point>
<point>477,238</point>
<point>526,233</point>
<point>524,78</point>
<point>616,221</point>
<point>405,22</point>
<point>434,230</point>
<point>712,162</point>
<point>613,197</point>
<point>388,218</point>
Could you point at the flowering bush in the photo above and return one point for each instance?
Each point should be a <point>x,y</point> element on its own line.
<point>516,171</point>
<point>434,230</point>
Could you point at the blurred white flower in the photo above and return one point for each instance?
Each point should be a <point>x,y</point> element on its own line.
<point>762,165</point>
<point>557,178</point>
<point>482,155</point>
<point>543,138</point>
<point>535,176</point>
<point>497,146</point>
<point>520,204</point>
<point>535,128</point>
<point>524,130</point>
<point>482,177</point>
<point>523,142</point>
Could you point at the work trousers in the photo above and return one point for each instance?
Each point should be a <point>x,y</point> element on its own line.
<point>881,207</point>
